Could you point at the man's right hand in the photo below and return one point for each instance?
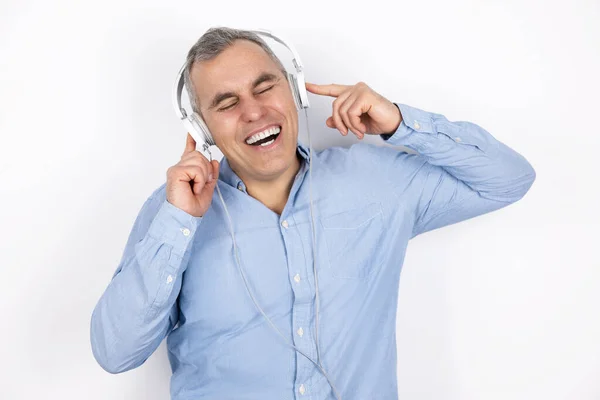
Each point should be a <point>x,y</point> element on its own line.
<point>191,182</point>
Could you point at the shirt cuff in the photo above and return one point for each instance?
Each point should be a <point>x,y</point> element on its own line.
<point>174,226</point>
<point>413,120</point>
<point>423,131</point>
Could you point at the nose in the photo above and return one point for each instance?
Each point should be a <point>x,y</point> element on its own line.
<point>252,109</point>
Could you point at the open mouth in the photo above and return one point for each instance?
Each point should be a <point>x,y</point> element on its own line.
<point>264,138</point>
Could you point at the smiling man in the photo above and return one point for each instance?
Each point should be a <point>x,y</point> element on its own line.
<point>242,103</point>
<point>179,278</point>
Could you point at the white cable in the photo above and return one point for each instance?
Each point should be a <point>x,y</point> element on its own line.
<point>237,259</point>
<point>314,246</point>
<point>314,240</point>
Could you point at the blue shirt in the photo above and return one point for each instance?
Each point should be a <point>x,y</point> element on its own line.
<point>178,277</point>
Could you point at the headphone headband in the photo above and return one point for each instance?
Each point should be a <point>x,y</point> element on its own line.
<point>296,60</point>
<point>177,90</point>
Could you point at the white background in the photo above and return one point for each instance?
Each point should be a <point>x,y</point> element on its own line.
<point>504,306</point>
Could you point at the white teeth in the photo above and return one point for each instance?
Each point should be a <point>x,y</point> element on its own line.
<point>267,143</point>
<point>261,135</point>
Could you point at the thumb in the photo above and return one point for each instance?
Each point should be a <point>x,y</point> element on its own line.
<point>216,168</point>
<point>214,176</point>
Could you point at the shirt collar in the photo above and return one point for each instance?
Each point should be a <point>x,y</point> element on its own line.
<point>227,175</point>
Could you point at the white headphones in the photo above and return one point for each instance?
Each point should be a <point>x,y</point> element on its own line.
<point>197,127</point>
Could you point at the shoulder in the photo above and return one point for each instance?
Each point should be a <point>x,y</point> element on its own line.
<point>365,155</point>
<point>378,169</point>
<point>153,202</point>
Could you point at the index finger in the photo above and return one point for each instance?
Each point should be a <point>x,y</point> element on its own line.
<point>332,90</point>
<point>190,144</point>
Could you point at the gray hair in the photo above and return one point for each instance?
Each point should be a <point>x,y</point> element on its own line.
<point>210,45</point>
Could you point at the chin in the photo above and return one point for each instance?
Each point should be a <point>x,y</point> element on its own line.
<point>273,168</point>
<point>276,167</point>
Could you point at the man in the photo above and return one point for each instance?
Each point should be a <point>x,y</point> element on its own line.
<point>178,277</point>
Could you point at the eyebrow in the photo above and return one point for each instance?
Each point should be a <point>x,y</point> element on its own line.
<point>264,77</point>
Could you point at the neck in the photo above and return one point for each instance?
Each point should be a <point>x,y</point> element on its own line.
<point>274,193</point>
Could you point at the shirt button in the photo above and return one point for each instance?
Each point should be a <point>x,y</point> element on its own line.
<point>458,139</point>
<point>169,279</point>
<point>240,187</point>
<point>302,390</point>
<point>297,278</point>
<point>185,231</point>
<point>285,224</point>
<point>416,125</point>
<point>300,332</point>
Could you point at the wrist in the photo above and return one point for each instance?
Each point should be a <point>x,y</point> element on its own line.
<point>397,125</point>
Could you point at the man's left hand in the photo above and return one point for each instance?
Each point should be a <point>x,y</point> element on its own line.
<point>360,109</point>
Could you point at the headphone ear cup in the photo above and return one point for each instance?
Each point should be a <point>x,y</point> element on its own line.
<point>301,89</point>
<point>294,87</point>
<point>298,90</point>
<point>202,129</point>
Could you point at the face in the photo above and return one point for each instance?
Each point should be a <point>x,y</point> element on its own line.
<point>248,107</point>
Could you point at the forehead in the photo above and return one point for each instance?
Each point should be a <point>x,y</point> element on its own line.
<point>234,69</point>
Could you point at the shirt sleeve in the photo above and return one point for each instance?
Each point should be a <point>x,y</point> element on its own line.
<point>460,170</point>
<point>138,308</point>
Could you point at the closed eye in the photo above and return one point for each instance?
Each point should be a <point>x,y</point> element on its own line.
<point>233,104</point>
<point>227,107</point>
<point>267,89</point>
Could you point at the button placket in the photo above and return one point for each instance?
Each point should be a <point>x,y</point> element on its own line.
<point>302,306</point>
<point>302,340</point>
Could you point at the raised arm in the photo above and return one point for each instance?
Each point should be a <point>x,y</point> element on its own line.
<point>139,306</point>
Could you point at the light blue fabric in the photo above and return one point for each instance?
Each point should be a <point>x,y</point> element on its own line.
<point>178,278</point>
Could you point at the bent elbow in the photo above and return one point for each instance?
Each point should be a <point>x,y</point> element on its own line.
<point>513,187</point>
<point>527,181</point>
<point>106,351</point>
<point>111,361</point>
<point>106,363</point>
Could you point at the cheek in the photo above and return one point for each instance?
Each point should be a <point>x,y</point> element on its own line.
<point>223,129</point>
<point>283,99</point>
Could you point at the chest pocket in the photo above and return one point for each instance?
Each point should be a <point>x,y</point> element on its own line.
<point>353,238</point>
